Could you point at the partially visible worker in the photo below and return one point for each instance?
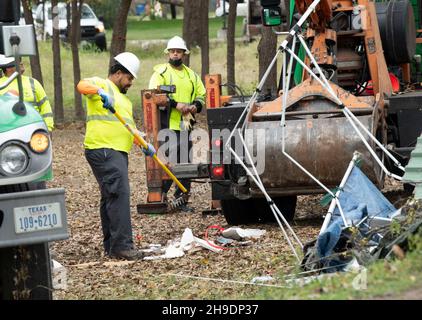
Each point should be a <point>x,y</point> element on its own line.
<point>107,144</point>
<point>188,100</point>
<point>33,91</point>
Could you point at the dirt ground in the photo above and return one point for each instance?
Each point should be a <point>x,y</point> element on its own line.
<point>91,275</point>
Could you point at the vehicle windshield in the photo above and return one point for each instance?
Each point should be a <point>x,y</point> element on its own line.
<point>85,14</point>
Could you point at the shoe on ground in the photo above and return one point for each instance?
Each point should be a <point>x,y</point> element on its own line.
<point>130,254</point>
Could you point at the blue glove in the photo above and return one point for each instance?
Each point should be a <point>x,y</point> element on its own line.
<point>106,99</point>
<point>150,151</point>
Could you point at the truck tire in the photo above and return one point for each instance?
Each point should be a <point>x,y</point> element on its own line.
<point>239,211</point>
<point>25,271</point>
<point>257,210</point>
<point>287,206</point>
<point>101,42</point>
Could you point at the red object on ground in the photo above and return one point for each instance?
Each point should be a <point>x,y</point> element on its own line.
<point>220,229</point>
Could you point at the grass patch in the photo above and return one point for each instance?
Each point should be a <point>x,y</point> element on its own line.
<point>165,29</point>
<point>383,278</point>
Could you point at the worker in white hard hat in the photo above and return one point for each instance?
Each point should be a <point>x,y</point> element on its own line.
<point>33,92</point>
<point>107,144</point>
<point>188,100</point>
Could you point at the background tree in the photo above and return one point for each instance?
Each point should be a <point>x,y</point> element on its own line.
<point>231,29</point>
<point>74,41</point>
<point>118,40</point>
<point>58,86</point>
<point>34,60</point>
<point>179,3</point>
<point>267,48</point>
<point>195,30</point>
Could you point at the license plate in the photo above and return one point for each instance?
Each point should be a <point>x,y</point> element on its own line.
<point>37,218</point>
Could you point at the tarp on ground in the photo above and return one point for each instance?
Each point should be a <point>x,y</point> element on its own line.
<point>359,198</point>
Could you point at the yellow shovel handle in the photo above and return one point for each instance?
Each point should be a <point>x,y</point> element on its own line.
<point>144,144</point>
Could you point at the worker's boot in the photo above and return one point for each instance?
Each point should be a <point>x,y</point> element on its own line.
<point>129,254</point>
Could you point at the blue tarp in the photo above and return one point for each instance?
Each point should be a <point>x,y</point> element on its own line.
<point>359,198</point>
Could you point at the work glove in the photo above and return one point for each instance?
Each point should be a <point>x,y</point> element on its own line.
<point>187,121</point>
<point>106,99</point>
<point>150,151</point>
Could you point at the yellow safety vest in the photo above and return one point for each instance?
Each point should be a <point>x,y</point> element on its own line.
<point>189,88</point>
<point>34,93</point>
<point>103,129</point>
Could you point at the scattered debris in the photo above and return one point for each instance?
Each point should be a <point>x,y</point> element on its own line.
<point>177,248</point>
<point>59,274</point>
<point>262,279</point>
<point>375,229</point>
<point>237,233</point>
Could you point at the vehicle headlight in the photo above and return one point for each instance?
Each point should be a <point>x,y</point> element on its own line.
<point>13,160</point>
<point>39,142</point>
<point>100,27</point>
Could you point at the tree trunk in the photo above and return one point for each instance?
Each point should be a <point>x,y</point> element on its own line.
<point>231,29</point>
<point>58,88</point>
<point>118,41</point>
<point>173,11</point>
<point>74,40</point>
<point>191,28</point>
<point>68,21</point>
<point>34,60</point>
<point>205,41</point>
<point>267,48</point>
<point>43,20</point>
<point>195,28</point>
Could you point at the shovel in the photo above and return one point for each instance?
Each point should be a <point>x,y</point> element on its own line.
<point>145,146</point>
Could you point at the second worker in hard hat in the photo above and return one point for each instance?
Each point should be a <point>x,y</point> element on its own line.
<point>33,92</point>
<point>188,100</point>
<point>107,144</point>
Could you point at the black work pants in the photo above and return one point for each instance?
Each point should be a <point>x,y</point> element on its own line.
<point>110,168</point>
<point>177,148</point>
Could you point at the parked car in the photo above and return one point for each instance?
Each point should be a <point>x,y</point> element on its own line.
<point>241,9</point>
<point>92,29</point>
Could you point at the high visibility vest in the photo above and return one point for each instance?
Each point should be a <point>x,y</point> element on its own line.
<point>103,129</point>
<point>189,87</point>
<point>34,93</point>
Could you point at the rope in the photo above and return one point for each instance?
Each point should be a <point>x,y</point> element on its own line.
<point>220,229</point>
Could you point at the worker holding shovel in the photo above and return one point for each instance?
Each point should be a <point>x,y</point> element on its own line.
<point>107,144</point>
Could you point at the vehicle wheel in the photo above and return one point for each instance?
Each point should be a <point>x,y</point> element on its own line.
<point>25,271</point>
<point>287,206</point>
<point>239,211</point>
<point>101,42</point>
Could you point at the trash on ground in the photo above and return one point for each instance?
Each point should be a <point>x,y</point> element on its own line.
<point>237,233</point>
<point>262,279</point>
<point>177,248</point>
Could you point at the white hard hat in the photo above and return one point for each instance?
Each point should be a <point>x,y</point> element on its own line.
<point>129,61</point>
<point>5,62</point>
<point>176,43</point>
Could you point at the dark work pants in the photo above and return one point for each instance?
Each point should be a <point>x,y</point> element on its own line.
<point>110,168</point>
<point>177,148</point>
